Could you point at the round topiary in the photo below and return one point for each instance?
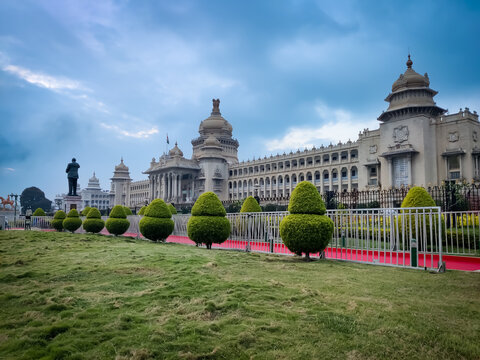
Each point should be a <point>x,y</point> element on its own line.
<point>306,199</point>
<point>417,197</point>
<point>127,210</point>
<point>93,223</point>
<point>250,205</point>
<point>306,230</point>
<point>142,210</point>
<point>172,209</point>
<point>72,222</point>
<point>57,221</point>
<point>85,210</point>
<point>39,212</point>
<point>156,224</point>
<point>117,222</point>
<point>208,223</point>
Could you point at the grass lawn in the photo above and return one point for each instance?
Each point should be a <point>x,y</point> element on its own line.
<point>95,297</point>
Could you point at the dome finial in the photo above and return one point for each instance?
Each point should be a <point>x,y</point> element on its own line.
<point>409,62</point>
<point>216,106</point>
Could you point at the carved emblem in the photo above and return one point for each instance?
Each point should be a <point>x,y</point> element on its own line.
<point>373,149</point>
<point>475,136</point>
<point>400,134</point>
<point>453,136</point>
<point>217,173</point>
<point>202,173</point>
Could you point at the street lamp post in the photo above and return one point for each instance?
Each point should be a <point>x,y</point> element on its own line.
<point>15,208</point>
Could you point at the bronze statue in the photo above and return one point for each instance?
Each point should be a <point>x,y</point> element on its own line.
<point>72,173</point>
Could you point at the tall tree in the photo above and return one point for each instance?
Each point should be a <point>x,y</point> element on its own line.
<point>34,198</point>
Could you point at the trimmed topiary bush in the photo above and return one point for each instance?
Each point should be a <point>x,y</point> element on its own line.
<point>418,197</point>
<point>85,210</point>
<point>250,205</point>
<point>39,212</point>
<point>208,223</point>
<point>142,210</point>
<point>72,222</point>
<point>57,221</point>
<point>93,223</point>
<point>306,229</point>
<point>127,210</point>
<point>156,224</point>
<point>117,222</point>
<point>172,209</point>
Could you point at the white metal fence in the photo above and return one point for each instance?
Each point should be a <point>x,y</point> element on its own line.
<point>397,236</point>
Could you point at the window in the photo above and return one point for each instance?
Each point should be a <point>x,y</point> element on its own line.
<point>400,171</point>
<point>454,167</point>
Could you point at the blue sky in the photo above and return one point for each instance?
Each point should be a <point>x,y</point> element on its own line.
<point>99,80</point>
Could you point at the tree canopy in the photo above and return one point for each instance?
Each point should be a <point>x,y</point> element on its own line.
<point>34,198</point>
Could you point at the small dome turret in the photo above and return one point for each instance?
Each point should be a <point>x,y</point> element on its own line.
<point>175,151</point>
<point>121,166</point>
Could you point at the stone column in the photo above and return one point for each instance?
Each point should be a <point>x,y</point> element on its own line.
<point>150,188</point>
<point>193,187</point>
<point>180,192</point>
<point>349,175</point>
<point>330,180</point>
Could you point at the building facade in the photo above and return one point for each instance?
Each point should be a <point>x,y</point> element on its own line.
<point>417,143</point>
<point>94,196</point>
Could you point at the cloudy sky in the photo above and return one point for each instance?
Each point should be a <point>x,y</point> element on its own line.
<point>99,80</point>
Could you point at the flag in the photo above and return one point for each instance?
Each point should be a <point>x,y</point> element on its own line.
<point>168,142</point>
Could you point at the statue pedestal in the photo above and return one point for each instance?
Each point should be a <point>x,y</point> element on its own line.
<point>72,202</point>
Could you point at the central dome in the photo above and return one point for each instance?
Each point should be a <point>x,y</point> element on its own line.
<point>215,123</point>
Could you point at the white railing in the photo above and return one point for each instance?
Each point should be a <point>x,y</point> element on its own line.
<point>380,236</point>
<point>461,232</point>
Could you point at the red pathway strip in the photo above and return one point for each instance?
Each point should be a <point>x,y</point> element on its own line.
<point>465,263</point>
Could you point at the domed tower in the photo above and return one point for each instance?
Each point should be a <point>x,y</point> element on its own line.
<point>214,150</point>
<point>411,95</point>
<point>216,125</point>
<point>120,188</point>
<point>407,132</point>
<point>93,183</point>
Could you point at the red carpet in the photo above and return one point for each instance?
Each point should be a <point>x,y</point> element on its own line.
<point>465,263</point>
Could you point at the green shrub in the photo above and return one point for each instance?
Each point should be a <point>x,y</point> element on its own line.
<point>306,199</point>
<point>250,205</point>
<point>127,210</point>
<point>172,209</point>
<point>234,207</point>
<point>208,204</point>
<point>72,222</point>
<point>117,223</point>
<point>208,229</point>
<point>306,229</point>
<point>306,233</point>
<point>39,212</point>
<point>208,223</point>
<point>156,224</point>
<point>86,210</point>
<point>142,210</point>
<point>417,197</point>
<point>93,223</point>
<point>57,221</point>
